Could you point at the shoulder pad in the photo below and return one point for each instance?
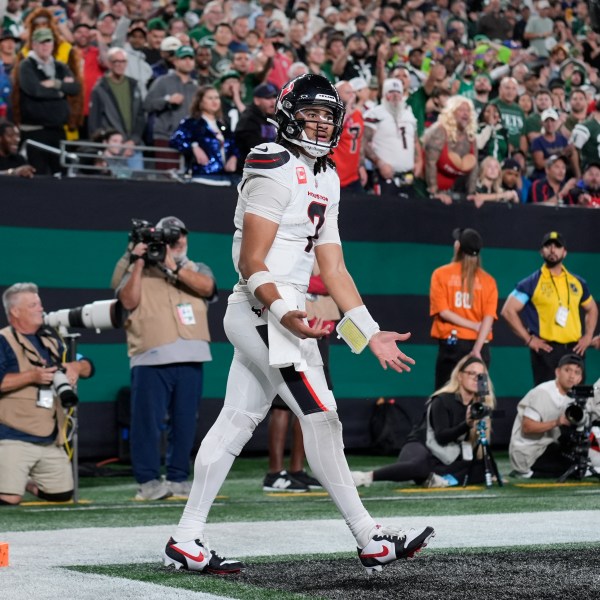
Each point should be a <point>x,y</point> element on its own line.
<point>267,156</point>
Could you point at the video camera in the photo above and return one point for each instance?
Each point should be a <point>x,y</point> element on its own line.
<point>99,315</point>
<point>577,411</point>
<point>156,238</point>
<point>479,410</point>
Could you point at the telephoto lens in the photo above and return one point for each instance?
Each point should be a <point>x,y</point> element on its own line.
<point>62,388</point>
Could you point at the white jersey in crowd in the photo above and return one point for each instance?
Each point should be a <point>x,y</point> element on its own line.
<point>284,189</point>
<point>394,138</point>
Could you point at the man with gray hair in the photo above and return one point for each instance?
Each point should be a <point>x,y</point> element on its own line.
<point>32,416</point>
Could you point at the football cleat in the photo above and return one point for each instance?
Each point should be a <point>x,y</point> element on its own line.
<point>390,543</point>
<point>196,556</point>
<point>283,482</point>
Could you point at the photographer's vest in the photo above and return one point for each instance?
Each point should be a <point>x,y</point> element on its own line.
<point>18,408</point>
<point>156,320</point>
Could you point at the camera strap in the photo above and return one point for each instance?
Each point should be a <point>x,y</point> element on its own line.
<point>33,356</point>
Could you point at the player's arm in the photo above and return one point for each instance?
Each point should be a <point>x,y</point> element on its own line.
<point>258,235</point>
<point>342,289</point>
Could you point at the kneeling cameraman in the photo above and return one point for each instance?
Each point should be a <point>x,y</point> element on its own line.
<point>534,449</point>
<point>31,417</point>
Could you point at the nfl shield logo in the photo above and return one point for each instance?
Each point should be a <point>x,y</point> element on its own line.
<point>301,174</point>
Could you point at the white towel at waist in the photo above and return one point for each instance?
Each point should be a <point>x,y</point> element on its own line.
<point>285,349</point>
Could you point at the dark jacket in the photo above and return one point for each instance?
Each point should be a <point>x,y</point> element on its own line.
<point>252,129</point>
<point>40,105</point>
<point>105,113</point>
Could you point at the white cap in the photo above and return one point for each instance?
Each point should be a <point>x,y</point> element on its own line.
<point>330,10</point>
<point>543,4</point>
<point>358,83</point>
<point>392,85</point>
<point>549,113</point>
<point>170,44</point>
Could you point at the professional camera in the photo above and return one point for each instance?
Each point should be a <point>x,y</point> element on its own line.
<point>63,389</point>
<point>156,238</point>
<point>479,410</point>
<point>99,315</point>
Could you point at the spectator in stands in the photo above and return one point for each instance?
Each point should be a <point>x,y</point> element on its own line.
<point>203,74</point>
<point>532,127</point>
<point>107,25</point>
<point>166,358</point>
<point>169,100</point>
<point>493,23</point>
<point>220,52</point>
<point>438,451</point>
<point>44,84</point>
<point>239,28</point>
<point>349,154</point>
<point>512,115</point>
<point>483,88</point>
<point>254,128</point>
<point>492,137</point>
<point>550,143</point>
<point>418,100</point>
<point>554,187</point>
<point>463,301</point>
<point>116,103</point>
<point>137,67</point>
<point>585,139</point>
<point>549,322</point>
<point>232,105</point>
<point>587,190</point>
<point>451,151</point>
<point>355,60</point>
<point>539,28</point>
<point>489,185</point>
<point>32,418</point>
<point>94,56</point>
<point>157,32</point>
<point>205,141</point>
<point>525,104</point>
<point>212,15</point>
<point>578,104</point>
<point>514,178</point>
<point>391,141</point>
<point>535,449</point>
<point>11,162</point>
<point>167,55</point>
<point>8,60</point>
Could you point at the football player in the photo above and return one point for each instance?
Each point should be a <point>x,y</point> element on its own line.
<point>287,214</point>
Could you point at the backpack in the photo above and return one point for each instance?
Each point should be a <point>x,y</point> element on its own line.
<point>389,426</point>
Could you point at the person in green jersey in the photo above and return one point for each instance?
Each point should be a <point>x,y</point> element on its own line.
<point>512,115</point>
<point>585,138</point>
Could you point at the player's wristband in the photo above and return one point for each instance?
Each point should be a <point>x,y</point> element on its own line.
<point>279,308</point>
<point>257,279</point>
<point>357,328</point>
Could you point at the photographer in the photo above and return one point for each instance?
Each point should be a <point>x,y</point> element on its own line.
<point>168,341</point>
<point>535,450</point>
<point>441,444</point>
<point>32,421</point>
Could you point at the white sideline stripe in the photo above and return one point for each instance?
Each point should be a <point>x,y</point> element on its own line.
<point>34,555</point>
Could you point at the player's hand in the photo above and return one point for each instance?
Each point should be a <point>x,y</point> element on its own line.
<point>383,346</point>
<point>294,321</point>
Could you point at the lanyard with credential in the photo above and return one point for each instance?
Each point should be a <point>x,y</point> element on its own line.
<point>568,291</point>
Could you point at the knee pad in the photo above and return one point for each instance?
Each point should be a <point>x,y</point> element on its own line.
<point>230,433</point>
<point>322,424</point>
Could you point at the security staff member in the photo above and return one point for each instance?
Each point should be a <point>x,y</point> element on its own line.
<point>168,342</point>
<point>543,310</point>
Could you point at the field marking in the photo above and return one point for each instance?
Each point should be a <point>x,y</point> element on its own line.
<point>420,490</point>
<point>555,485</point>
<point>35,555</point>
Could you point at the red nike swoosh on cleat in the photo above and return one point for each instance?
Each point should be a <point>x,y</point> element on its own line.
<point>384,552</point>
<point>198,558</point>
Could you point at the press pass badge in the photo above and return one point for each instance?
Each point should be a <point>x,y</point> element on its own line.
<point>45,398</point>
<point>467,450</point>
<point>186,314</point>
<point>352,335</point>
<point>561,316</point>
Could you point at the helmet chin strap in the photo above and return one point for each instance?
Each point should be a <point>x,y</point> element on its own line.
<point>311,148</point>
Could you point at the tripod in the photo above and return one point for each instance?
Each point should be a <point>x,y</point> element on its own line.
<point>489,463</point>
<point>579,455</point>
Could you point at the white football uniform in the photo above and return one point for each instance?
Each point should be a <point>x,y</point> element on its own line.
<point>394,139</point>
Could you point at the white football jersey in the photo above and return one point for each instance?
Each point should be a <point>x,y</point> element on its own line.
<point>394,139</point>
<point>282,188</point>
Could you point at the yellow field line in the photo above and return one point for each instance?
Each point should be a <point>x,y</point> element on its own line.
<point>456,488</point>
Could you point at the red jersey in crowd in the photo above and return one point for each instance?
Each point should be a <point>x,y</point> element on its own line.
<point>347,154</point>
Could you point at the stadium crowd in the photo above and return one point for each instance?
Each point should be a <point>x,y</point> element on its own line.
<point>493,100</point>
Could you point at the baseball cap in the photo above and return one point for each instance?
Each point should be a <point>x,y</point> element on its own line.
<point>554,236</point>
<point>228,75</point>
<point>170,44</point>
<point>265,90</point>
<point>274,32</point>
<point>184,51</point>
<point>555,157</point>
<point>157,23</point>
<point>392,85</point>
<point>137,28</point>
<point>550,113</point>
<point>105,14</point>
<point>42,35</point>
<point>510,164</point>
<point>6,34</point>
<point>79,26</point>
<point>357,36</point>
<point>358,83</point>
<point>571,359</point>
<point>470,241</point>
<point>172,222</point>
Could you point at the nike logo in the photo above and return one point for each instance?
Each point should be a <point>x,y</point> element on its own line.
<point>198,558</point>
<point>384,552</point>
<point>262,149</point>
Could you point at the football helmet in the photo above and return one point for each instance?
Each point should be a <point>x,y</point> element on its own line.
<point>303,92</point>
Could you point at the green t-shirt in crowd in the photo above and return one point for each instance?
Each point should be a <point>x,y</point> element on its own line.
<point>513,119</point>
<point>417,101</point>
<point>122,92</point>
<point>586,138</point>
<point>533,124</point>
